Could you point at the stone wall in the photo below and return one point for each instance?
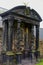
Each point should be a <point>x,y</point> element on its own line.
<point>41,47</point>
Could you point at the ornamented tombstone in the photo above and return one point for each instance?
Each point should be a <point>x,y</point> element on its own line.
<point>18,32</point>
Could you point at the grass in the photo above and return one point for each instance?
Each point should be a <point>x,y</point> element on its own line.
<point>40,63</point>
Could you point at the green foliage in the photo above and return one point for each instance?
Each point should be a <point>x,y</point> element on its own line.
<point>40,63</point>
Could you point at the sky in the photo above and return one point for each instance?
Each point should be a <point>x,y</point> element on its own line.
<point>35,4</point>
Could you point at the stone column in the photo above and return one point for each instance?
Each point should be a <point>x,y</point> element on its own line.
<point>32,38</point>
<point>18,54</point>
<point>22,36</point>
<point>5,39</point>
<point>18,36</point>
<point>37,37</point>
<point>32,43</point>
<point>4,36</point>
<point>9,53</point>
<point>26,42</point>
<point>10,32</point>
<point>22,40</point>
<point>37,42</point>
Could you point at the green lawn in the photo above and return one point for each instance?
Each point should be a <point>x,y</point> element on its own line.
<point>40,63</point>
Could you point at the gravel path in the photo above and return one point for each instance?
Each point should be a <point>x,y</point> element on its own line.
<point>28,62</point>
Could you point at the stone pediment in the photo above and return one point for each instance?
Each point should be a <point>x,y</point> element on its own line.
<point>23,11</point>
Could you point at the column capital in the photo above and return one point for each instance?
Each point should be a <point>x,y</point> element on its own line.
<point>10,18</point>
<point>4,21</point>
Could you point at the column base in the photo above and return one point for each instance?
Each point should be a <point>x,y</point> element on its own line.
<point>18,57</point>
<point>3,57</point>
<point>37,55</point>
<point>10,57</point>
